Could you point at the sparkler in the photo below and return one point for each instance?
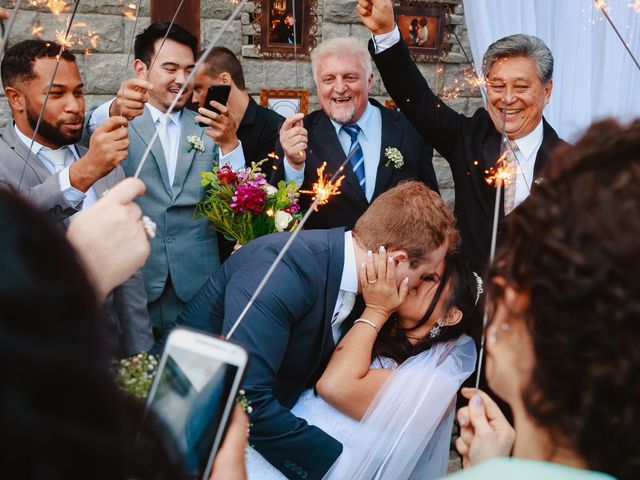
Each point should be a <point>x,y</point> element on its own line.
<point>164,39</point>
<point>324,189</point>
<point>600,4</point>
<point>12,21</point>
<point>133,36</point>
<point>53,76</point>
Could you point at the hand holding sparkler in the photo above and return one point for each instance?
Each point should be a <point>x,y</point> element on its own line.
<point>131,98</point>
<point>107,148</point>
<point>376,15</point>
<point>294,139</point>
<point>222,126</point>
<point>4,15</point>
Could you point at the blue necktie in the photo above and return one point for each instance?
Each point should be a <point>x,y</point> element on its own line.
<point>355,152</point>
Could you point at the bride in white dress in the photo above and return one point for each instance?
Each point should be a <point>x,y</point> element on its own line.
<point>388,393</point>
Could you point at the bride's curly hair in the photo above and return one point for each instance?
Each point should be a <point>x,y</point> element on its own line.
<point>574,247</point>
<point>462,294</point>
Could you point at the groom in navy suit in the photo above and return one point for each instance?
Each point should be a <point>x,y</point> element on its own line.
<point>295,323</point>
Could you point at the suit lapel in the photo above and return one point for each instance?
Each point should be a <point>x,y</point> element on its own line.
<point>188,127</point>
<point>9,136</point>
<point>145,127</point>
<point>328,148</point>
<point>550,140</point>
<point>391,137</point>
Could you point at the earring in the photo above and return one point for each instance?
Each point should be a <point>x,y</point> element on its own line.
<point>435,330</point>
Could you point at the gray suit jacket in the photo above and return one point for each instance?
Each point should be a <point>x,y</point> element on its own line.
<point>185,246</point>
<point>126,307</point>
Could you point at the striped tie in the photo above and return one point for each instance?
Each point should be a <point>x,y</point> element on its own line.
<point>356,159</point>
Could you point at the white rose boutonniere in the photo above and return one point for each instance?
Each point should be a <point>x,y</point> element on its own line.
<point>195,143</point>
<point>393,155</point>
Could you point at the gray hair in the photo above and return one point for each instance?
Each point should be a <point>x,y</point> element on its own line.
<point>521,45</point>
<point>337,47</point>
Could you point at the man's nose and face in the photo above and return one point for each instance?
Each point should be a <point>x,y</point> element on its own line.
<point>343,87</point>
<point>63,117</point>
<point>517,95</point>
<point>172,65</point>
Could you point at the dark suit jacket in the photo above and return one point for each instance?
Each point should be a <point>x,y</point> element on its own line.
<point>258,132</point>
<point>288,334</point>
<point>126,307</point>
<point>323,145</point>
<point>469,144</point>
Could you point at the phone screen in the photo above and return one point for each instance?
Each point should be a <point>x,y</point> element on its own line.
<point>190,399</point>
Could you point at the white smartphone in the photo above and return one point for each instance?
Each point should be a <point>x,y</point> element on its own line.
<point>194,392</point>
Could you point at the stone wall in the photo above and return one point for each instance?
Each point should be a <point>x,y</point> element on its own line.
<point>104,68</point>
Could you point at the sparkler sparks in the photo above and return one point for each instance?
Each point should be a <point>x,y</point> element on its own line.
<point>129,10</point>
<point>36,29</point>
<point>501,173</point>
<point>56,6</point>
<point>324,188</point>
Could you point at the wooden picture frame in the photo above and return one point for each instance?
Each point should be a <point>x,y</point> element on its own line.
<point>285,101</point>
<point>274,22</point>
<point>422,27</point>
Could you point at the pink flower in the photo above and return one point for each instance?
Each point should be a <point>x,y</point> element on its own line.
<point>226,175</point>
<point>249,197</point>
<point>292,209</point>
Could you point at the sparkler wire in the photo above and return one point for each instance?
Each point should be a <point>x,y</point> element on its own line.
<point>9,27</point>
<point>50,86</point>
<point>133,36</point>
<point>164,39</point>
<point>615,29</point>
<point>295,45</point>
<point>165,116</point>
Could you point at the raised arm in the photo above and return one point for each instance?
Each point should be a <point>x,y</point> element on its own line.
<point>348,383</point>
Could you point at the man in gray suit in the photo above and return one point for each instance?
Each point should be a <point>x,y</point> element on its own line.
<point>58,175</point>
<point>185,251</point>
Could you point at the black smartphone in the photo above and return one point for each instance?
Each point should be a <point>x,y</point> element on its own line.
<point>194,392</point>
<point>219,93</point>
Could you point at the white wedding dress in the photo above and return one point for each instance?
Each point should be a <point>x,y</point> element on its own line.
<point>406,431</point>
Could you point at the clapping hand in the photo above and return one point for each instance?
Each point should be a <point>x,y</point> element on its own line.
<point>484,431</point>
<point>378,284</point>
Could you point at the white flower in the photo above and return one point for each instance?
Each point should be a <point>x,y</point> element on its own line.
<point>283,219</point>
<point>195,143</point>
<point>393,155</point>
<point>270,189</point>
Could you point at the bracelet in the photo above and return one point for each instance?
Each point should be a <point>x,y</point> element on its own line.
<point>368,322</point>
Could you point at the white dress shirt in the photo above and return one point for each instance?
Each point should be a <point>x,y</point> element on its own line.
<point>73,196</point>
<point>528,145</point>
<point>170,139</point>
<point>370,139</point>
<point>348,288</point>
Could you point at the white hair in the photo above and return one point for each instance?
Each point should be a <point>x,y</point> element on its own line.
<point>338,47</point>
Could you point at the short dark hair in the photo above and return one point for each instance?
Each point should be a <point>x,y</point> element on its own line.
<point>221,60</point>
<point>18,61</point>
<point>144,45</point>
<point>573,249</point>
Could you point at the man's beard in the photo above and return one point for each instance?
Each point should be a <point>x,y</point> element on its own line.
<point>53,133</point>
<point>345,119</point>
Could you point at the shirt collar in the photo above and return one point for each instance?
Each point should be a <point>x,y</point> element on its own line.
<point>349,280</point>
<point>156,114</point>
<point>37,147</point>
<point>531,141</point>
<point>362,122</point>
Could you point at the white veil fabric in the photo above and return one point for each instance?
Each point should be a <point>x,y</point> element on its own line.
<point>405,433</point>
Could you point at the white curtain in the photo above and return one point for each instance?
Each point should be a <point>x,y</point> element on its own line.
<point>594,75</point>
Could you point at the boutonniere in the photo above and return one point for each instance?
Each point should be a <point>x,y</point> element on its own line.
<point>393,155</point>
<point>195,143</point>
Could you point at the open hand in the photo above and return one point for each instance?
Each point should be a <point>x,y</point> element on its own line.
<point>485,433</point>
<point>131,98</point>
<point>222,126</point>
<point>378,284</point>
<point>376,15</point>
<point>294,138</point>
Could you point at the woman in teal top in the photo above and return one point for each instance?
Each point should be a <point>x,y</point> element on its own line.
<point>564,331</point>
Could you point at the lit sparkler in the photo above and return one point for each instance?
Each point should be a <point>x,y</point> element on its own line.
<point>323,189</point>
<point>56,6</point>
<point>130,11</point>
<point>36,29</point>
<point>601,5</point>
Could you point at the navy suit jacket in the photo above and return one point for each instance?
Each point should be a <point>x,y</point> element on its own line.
<point>344,210</point>
<point>469,144</point>
<point>287,333</point>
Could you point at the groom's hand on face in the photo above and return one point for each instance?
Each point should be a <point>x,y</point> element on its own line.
<point>376,15</point>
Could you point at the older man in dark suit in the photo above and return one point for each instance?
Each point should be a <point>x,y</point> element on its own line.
<point>385,149</point>
<point>518,70</point>
<point>295,323</point>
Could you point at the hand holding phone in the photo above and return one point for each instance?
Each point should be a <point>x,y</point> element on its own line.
<point>218,93</point>
<point>194,393</point>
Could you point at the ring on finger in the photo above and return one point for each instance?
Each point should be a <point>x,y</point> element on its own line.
<point>372,281</point>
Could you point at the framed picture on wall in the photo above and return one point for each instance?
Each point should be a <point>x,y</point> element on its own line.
<point>285,101</point>
<point>422,27</point>
<point>287,26</point>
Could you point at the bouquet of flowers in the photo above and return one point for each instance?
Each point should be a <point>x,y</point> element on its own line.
<point>243,206</point>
